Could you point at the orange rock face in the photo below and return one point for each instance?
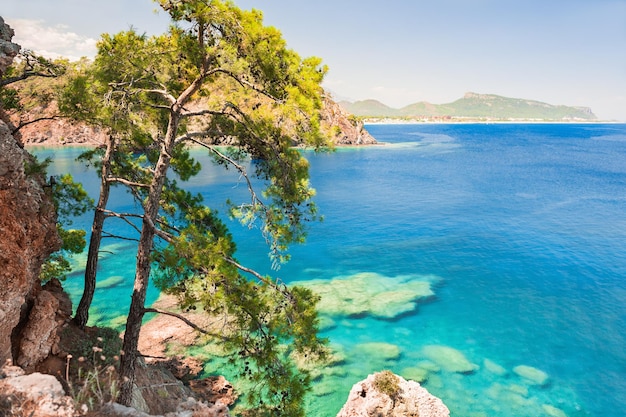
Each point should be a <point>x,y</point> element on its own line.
<point>27,237</point>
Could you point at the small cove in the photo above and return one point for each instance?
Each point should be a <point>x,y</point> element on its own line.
<point>518,229</point>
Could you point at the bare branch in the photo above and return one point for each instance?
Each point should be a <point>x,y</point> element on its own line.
<point>126,182</point>
<point>107,235</point>
<point>163,93</point>
<point>124,217</point>
<point>184,320</point>
<point>250,271</point>
<point>39,119</point>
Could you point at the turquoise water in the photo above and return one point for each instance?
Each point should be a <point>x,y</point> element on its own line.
<point>518,230</point>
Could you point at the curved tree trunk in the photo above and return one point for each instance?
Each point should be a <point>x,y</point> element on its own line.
<point>91,268</point>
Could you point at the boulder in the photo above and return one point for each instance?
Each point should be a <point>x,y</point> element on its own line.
<point>40,337</point>
<point>450,359</point>
<point>494,368</point>
<point>381,350</point>
<point>370,294</point>
<point>532,375</point>
<point>36,394</point>
<point>553,411</point>
<point>409,400</point>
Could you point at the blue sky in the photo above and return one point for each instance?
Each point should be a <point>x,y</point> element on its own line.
<point>568,52</point>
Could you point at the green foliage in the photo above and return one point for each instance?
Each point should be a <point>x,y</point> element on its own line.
<point>9,99</point>
<point>70,200</point>
<point>33,167</point>
<point>104,342</point>
<point>34,83</point>
<point>218,75</point>
<point>58,265</point>
<point>386,382</point>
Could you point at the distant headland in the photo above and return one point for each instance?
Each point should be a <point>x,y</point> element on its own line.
<point>471,107</point>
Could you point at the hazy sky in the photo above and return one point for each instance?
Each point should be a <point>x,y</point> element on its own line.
<point>570,52</point>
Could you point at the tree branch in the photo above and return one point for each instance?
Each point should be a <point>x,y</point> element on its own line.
<point>184,320</point>
<point>126,182</point>
<point>38,119</point>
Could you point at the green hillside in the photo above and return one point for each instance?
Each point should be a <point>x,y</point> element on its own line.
<point>474,106</point>
<point>369,107</point>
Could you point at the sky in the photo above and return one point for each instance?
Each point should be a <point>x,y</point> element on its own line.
<point>570,52</point>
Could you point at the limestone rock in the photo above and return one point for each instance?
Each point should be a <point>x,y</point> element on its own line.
<point>412,400</point>
<point>36,394</point>
<point>370,294</point>
<point>40,336</point>
<point>533,375</point>
<point>450,359</point>
<point>345,129</point>
<point>188,408</point>
<point>494,368</point>
<point>553,411</point>
<point>29,236</point>
<point>8,49</point>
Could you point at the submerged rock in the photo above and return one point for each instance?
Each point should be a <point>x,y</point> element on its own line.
<point>494,368</point>
<point>370,294</point>
<point>553,411</point>
<point>380,350</point>
<point>406,399</point>
<point>416,374</point>
<point>450,360</point>
<point>532,375</point>
<point>110,282</point>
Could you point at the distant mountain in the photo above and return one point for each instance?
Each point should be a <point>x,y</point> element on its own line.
<point>473,106</point>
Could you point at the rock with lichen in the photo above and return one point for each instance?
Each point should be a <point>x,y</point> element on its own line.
<point>388,395</point>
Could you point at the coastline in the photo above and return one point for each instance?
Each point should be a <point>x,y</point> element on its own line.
<point>394,121</point>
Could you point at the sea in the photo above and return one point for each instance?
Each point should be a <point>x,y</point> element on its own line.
<point>487,261</point>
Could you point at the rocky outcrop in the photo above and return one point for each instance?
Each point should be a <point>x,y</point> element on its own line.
<point>393,397</point>
<point>32,395</point>
<point>29,236</point>
<point>8,49</point>
<point>346,130</point>
<point>29,315</point>
<point>40,337</point>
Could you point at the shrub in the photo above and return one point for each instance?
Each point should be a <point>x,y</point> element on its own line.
<point>386,382</point>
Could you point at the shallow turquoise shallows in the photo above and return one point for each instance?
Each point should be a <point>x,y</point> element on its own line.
<point>488,261</point>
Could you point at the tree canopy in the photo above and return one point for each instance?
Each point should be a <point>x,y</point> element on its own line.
<point>217,77</point>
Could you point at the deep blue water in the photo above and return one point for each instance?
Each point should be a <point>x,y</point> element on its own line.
<point>520,229</point>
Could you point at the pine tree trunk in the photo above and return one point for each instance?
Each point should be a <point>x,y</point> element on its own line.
<point>135,316</point>
<point>129,355</point>
<point>91,268</point>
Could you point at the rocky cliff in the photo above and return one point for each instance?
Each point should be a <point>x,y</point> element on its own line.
<point>8,49</point>
<point>345,130</point>
<point>28,236</point>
